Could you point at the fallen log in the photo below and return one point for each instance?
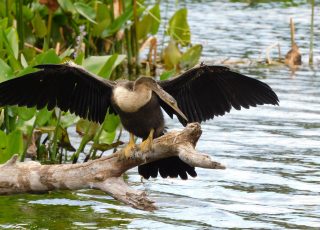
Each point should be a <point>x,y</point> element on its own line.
<point>106,172</point>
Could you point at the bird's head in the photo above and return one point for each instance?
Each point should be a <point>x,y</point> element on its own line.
<point>151,84</point>
<point>145,82</point>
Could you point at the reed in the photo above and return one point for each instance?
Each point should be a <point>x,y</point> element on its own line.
<point>311,33</point>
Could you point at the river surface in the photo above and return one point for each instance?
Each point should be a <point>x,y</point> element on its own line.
<point>272,153</point>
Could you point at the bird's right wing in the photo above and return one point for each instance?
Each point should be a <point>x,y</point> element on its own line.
<point>207,91</point>
<point>66,86</point>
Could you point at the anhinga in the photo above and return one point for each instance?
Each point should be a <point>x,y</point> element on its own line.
<point>196,95</point>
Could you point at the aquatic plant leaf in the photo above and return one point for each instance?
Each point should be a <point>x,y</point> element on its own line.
<point>11,47</point>
<point>46,129</point>
<point>103,12</point>
<point>25,113</point>
<point>109,66</point>
<point>15,142</point>
<point>179,29</point>
<point>95,64</point>
<point>111,123</point>
<point>191,57</point>
<point>4,23</point>
<point>10,144</point>
<point>67,5</point>
<point>86,11</point>
<point>87,128</point>
<point>28,13</point>
<point>99,27</point>
<point>68,119</point>
<point>79,58</point>
<point>6,71</point>
<point>105,147</point>
<point>3,147</point>
<point>150,23</point>
<point>47,57</point>
<point>43,116</point>
<point>103,19</point>
<point>66,53</point>
<point>118,23</point>
<point>39,26</point>
<point>13,40</point>
<point>167,74</point>
<point>171,55</point>
<point>107,137</point>
<point>64,140</point>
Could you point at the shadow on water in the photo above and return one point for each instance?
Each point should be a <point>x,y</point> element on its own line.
<point>272,154</point>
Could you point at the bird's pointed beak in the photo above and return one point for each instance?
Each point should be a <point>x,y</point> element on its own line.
<point>168,99</point>
<point>173,104</point>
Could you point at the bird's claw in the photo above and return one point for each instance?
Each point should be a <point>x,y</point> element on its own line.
<point>127,152</point>
<point>146,145</point>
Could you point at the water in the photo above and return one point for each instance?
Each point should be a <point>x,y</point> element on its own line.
<point>272,154</point>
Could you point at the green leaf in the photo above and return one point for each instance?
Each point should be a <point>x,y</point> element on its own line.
<point>191,57</point>
<point>67,5</point>
<point>6,71</point>
<point>79,58</point>
<point>3,147</point>
<point>103,12</point>
<point>109,66</point>
<point>100,27</point>
<point>86,11</point>
<point>27,70</point>
<point>107,137</point>
<point>28,13</point>
<point>150,23</point>
<point>39,26</point>
<point>15,143</point>
<point>10,144</point>
<point>103,19</point>
<point>66,53</point>
<point>4,23</point>
<point>118,23</point>
<point>171,55</point>
<point>10,46</point>
<point>95,64</point>
<point>48,57</point>
<point>68,119</point>
<point>25,113</point>
<point>167,74</point>
<point>179,29</point>
<point>87,128</point>
<point>105,147</point>
<point>64,140</point>
<point>43,116</point>
<point>111,123</point>
<point>13,40</point>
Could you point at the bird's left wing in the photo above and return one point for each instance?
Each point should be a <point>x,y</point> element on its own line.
<point>207,91</point>
<point>66,86</point>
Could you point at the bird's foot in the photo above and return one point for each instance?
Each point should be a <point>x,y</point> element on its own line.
<point>127,152</point>
<point>146,145</point>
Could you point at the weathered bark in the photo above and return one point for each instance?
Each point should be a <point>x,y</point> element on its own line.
<point>104,173</point>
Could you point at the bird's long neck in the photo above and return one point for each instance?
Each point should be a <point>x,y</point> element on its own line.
<point>131,100</point>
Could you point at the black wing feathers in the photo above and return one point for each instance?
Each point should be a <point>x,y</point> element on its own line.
<point>209,91</point>
<point>67,87</point>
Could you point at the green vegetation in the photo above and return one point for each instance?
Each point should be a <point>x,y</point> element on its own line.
<point>108,38</point>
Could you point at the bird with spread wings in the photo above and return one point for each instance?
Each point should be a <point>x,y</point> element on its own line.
<point>196,95</point>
